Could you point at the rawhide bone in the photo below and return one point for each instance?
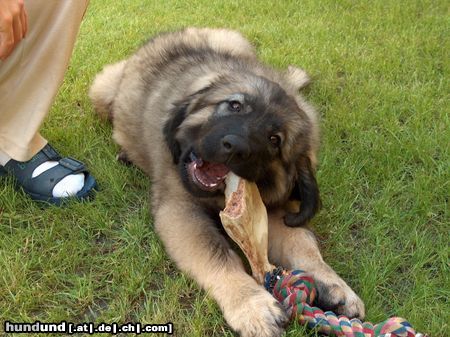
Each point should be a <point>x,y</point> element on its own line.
<point>245,220</point>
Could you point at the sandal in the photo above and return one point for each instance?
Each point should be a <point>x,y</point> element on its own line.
<point>40,188</point>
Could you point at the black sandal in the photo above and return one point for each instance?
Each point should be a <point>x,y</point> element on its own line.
<point>40,188</point>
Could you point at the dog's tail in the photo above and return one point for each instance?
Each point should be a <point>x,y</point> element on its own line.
<point>104,89</point>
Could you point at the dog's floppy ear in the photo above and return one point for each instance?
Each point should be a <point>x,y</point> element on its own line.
<point>177,116</point>
<point>307,191</point>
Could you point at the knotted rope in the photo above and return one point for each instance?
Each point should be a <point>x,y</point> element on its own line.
<point>296,291</point>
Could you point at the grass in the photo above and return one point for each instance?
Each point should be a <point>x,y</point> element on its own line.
<point>381,84</point>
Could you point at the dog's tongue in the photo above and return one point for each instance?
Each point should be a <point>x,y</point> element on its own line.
<point>208,176</point>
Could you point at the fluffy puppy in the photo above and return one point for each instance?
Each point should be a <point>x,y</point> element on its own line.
<point>189,107</point>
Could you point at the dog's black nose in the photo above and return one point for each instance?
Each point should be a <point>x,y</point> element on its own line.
<point>234,145</point>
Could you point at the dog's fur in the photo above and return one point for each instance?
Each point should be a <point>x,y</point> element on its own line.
<point>202,93</point>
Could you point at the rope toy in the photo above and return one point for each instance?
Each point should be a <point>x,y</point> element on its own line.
<point>245,220</point>
<point>296,291</point>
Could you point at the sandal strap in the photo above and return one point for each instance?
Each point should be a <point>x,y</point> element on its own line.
<point>46,181</point>
<point>23,170</point>
<point>74,165</point>
<point>50,152</point>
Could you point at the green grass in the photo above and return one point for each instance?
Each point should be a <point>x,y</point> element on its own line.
<point>381,85</point>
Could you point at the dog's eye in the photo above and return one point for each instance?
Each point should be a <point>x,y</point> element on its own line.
<point>275,140</point>
<point>235,106</point>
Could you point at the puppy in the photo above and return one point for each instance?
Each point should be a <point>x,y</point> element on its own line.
<point>187,108</point>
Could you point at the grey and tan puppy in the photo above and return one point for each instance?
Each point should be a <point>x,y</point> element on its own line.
<point>189,107</point>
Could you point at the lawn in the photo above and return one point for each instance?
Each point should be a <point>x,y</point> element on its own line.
<point>381,84</point>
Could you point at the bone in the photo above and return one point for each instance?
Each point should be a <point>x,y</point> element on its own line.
<point>245,220</point>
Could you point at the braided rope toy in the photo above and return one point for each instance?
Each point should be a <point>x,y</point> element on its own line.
<point>245,220</point>
<point>296,291</point>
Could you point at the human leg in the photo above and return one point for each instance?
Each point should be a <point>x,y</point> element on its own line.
<point>29,81</point>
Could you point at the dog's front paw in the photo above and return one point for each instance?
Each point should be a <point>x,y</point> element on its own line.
<point>339,298</point>
<point>259,315</point>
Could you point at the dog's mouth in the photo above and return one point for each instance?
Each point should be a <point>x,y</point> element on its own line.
<point>205,175</point>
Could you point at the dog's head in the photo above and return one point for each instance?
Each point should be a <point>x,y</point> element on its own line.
<point>249,125</point>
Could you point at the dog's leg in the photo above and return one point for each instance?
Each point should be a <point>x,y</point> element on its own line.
<point>199,249</point>
<point>296,248</point>
<point>122,157</point>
